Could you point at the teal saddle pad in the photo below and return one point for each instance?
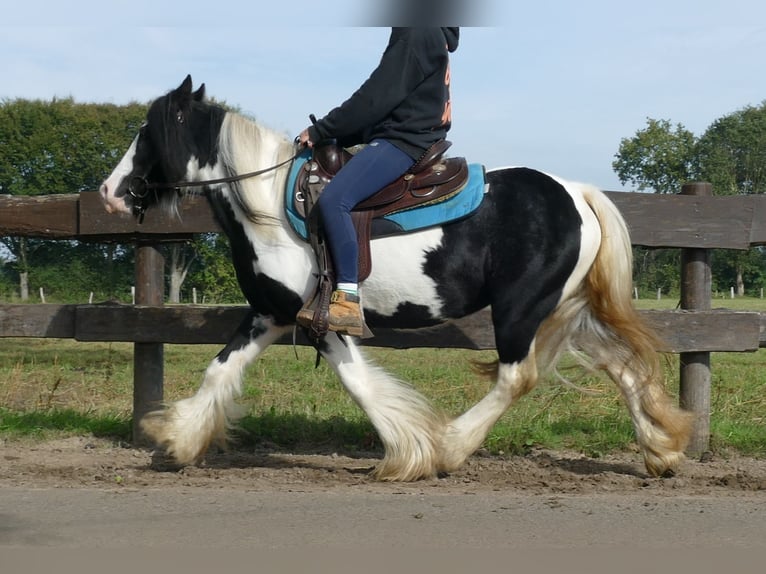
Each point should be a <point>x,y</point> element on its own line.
<point>460,205</point>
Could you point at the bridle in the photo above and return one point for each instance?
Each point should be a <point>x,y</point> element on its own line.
<point>139,187</point>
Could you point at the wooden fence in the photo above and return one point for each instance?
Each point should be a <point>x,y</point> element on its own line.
<point>693,220</point>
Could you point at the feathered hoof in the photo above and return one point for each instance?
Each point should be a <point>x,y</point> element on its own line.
<point>179,449</point>
<point>665,465</point>
<point>450,462</point>
<point>153,426</point>
<point>162,462</point>
<point>396,471</point>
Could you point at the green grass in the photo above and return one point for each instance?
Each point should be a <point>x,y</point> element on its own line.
<point>53,388</point>
<point>721,302</point>
<point>42,424</point>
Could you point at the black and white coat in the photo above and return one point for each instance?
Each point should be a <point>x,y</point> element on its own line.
<point>551,258</point>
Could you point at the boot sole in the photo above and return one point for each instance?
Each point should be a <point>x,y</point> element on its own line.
<point>347,330</point>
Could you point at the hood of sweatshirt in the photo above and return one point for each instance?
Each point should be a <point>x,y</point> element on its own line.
<point>452,35</point>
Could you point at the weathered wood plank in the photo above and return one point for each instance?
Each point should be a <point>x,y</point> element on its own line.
<point>654,220</point>
<point>733,222</point>
<point>214,325</point>
<point>45,216</point>
<point>41,320</point>
<point>682,331</point>
<point>688,221</point>
<point>703,331</point>
<point>758,228</point>
<point>195,216</point>
<point>167,324</point>
<point>471,332</point>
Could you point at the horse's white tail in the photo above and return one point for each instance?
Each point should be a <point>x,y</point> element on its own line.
<point>601,327</point>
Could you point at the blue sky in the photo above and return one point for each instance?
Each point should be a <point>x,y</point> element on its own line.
<point>553,85</point>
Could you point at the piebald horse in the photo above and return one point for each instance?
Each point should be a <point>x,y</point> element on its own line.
<point>551,258</point>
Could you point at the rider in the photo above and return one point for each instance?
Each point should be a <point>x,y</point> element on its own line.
<point>400,111</point>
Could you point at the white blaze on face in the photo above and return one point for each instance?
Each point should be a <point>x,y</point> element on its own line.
<point>112,183</point>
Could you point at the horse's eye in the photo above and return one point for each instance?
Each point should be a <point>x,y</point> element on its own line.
<point>180,117</point>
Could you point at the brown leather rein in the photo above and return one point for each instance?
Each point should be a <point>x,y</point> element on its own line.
<point>139,188</point>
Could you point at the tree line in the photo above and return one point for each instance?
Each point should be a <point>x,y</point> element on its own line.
<point>731,155</point>
<point>62,146</point>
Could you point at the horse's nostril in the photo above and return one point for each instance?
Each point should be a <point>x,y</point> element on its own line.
<point>103,190</point>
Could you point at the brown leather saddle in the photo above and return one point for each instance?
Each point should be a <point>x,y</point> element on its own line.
<point>433,178</point>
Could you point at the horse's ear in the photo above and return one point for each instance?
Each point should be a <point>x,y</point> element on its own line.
<point>199,95</point>
<point>186,86</point>
<point>182,95</point>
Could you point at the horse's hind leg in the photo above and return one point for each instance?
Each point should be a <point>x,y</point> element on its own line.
<point>406,423</point>
<point>467,432</point>
<point>662,429</point>
<point>614,335</point>
<point>185,429</point>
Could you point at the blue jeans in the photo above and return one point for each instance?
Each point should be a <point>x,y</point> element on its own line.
<point>369,171</point>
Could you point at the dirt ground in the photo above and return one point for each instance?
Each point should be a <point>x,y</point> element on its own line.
<point>87,462</point>
<point>90,493</point>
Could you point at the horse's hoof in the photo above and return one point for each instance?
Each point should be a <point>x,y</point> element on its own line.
<point>163,462</point>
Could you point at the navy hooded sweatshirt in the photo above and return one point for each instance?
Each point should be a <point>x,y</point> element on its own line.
<point>406,99</point>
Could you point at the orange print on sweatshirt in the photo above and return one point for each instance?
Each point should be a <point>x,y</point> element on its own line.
<point>447,115</point>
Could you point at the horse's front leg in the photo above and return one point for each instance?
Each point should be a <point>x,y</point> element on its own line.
<point>409,428</point>
<point>185,429</point>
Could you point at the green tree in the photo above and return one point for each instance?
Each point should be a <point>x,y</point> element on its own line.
<point>732,156</point>
<point>656,269</point>
<point>70,272</point>
<point>739,269</point>
<point>732,152</point>
<point>61,146</point>
<point>58,146</point>
<point>180,258</point>
<point>212,273</point>
<point>660,157</point>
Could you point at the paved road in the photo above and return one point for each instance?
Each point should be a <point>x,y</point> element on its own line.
<point>91,518</point>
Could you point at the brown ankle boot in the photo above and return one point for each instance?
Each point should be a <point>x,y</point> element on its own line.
<point>305,317</point>
<point>345,314</point>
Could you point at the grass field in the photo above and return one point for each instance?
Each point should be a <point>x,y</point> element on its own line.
<point>738,304</point>
<point>52,387</point>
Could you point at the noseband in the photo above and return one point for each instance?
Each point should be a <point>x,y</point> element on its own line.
<point>139,187</point>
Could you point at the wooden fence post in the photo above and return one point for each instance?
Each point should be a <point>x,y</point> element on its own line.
<point>696,287</point>
<point>148,358</point>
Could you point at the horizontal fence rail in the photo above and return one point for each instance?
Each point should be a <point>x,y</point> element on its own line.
<point>694,221</point>
<point>730,222</point>
<point>681,331</point>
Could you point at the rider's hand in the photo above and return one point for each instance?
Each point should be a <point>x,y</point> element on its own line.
<point>303,138</point>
